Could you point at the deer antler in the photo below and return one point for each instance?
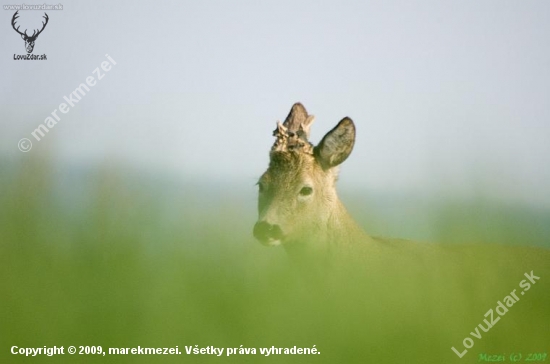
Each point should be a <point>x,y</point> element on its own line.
<point>13,19</point>
<point>293,134</point>
<point>43,26</point>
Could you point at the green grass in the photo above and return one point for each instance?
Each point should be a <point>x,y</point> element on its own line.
<point>120,261</point>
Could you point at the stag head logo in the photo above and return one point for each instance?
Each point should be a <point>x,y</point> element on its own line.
<point>29,40</point>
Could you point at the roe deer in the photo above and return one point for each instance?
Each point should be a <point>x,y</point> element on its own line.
<point>299,208</point>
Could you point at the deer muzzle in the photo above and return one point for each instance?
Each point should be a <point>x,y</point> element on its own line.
<point>268,234</point>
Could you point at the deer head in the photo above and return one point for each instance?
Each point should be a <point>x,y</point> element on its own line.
<point>29,40</point>
<point>297,194</point>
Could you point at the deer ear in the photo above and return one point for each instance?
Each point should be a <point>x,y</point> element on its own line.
<point>22,36</point>
<point>336,145</point>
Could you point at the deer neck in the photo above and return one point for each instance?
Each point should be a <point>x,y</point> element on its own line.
<point>340,236</point>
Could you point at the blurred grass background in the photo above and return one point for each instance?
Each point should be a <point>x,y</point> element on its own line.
<point>117,258</point>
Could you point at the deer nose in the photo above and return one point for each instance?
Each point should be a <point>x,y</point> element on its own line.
<point>267,233</point>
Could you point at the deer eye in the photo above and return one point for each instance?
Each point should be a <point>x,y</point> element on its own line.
<point>261,187</point>
<point>306,191</point>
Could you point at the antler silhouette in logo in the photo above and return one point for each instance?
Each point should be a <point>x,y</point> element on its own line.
<point>29,40</point>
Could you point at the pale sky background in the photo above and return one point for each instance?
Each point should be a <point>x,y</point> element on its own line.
<point>446,95</point>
